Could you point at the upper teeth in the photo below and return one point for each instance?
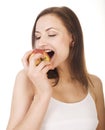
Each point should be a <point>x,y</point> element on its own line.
<point>48,50</point>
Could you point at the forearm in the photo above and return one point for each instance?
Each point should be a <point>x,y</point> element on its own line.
<point>35,114</point>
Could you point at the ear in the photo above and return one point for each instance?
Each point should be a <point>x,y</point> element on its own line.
<point>72,44</point>
<point>73,41</point>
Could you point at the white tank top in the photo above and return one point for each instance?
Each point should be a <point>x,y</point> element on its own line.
<point>71,116</point>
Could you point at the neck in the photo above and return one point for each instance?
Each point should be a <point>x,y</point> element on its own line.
<point>64,74</point>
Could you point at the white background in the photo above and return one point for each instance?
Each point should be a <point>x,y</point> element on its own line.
<point>16,22</point>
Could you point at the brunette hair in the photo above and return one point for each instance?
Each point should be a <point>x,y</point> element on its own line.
<point>76,56</point>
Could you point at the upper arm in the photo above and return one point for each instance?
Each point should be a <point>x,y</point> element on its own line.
<point>100,106</point>
<point>98,90</point>
<point>22,98</point>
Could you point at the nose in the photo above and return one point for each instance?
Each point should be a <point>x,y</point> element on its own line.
<point>41,42</point>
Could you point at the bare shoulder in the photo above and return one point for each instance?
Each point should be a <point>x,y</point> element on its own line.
<point>95,79</point>
<point>21,75</point>
<point>21,100</point>
<point>97,89</point>
<point>22,82</point>
<point>97,83</point>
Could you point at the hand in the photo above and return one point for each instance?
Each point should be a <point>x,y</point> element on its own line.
<point>37,74</point>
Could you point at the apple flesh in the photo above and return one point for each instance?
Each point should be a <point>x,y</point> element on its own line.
<point>45,56</point>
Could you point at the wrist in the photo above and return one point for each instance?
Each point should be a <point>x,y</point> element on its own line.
<point>42,97</point>
<point>44,91</point>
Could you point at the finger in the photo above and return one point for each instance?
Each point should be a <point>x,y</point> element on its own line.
<point>35,59</point>
<point>47,68</point>
<point>25,59</point>
<point>42,64</point>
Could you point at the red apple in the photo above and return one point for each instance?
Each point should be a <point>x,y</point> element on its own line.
<point>46,56</point>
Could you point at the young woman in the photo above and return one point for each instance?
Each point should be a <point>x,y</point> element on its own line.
<point>58,94</point>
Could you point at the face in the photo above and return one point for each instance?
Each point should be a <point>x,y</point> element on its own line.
<point>52,36</point>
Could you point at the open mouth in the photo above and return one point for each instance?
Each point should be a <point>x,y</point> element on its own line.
<point>50,53</point>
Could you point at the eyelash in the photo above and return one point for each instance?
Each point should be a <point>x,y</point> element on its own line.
<point>53,35</point>
<point>37,38</point>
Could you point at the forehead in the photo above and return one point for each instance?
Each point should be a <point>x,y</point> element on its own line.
<point>49,20</point>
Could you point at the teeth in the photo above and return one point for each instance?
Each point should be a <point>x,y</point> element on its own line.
<point>48,50</point>
<point>50,53</point>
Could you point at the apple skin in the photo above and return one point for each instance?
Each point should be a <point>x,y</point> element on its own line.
<point>46,56</point>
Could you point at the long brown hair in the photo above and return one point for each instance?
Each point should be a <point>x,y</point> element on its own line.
<point>76,56</point>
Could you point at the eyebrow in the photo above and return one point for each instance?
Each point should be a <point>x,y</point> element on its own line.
<point>47,29</point>
<point>51,28</point>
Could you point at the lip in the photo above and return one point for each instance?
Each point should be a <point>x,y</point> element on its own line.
<point>49,51</point>
<point>53,58</point>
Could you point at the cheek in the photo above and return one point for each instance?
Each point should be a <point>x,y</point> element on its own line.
<point>65,47</point>
<point>62,54</point>
<point>64,51</point>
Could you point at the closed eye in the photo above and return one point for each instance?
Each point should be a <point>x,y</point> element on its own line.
<point>52,35</point>
<point>37,38</point>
